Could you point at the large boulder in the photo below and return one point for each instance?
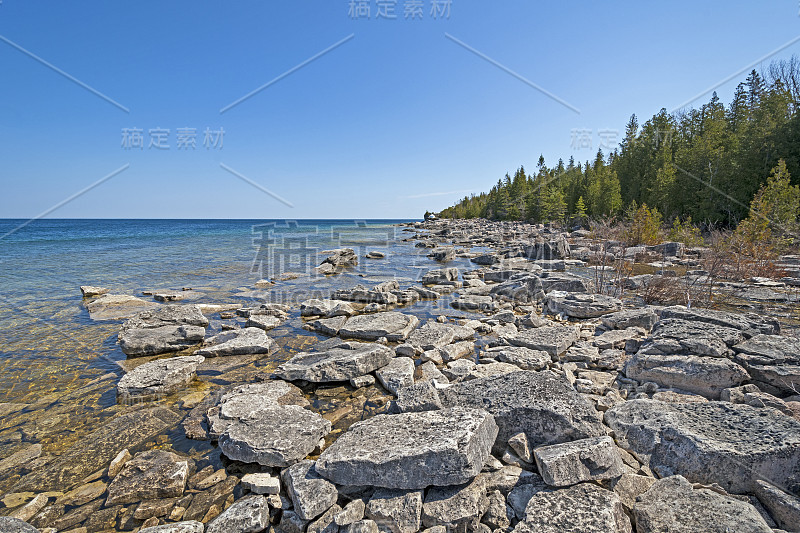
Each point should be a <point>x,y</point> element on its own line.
<point>706,376</point>
<point>411,450</point>
<point>749,324</point>
<point>772,359</point>
<point>672,504</point>
<point>266,423</point>
<point>672,336</point>
<point>392,325</point>
<point>580,305</point>
<point>311,494</point>
<point>583,508</point>
<point>541,404</point>
<point>554,340</point>
<point>713,442</point>
<point>245,341</point>
<point>342,363</point>
<point>168,328</point>
<point>158,378</point>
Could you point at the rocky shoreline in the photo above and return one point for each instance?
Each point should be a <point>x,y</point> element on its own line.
<point>539,403</point>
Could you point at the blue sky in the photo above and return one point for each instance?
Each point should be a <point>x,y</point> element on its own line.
<point>397,119</point>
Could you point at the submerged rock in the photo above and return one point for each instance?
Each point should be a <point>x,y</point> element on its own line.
<point>244,341</point>
<point>411,450</point>
<point>15,525</point>
<point>116,306</point>
<point>168,328</point>
<point>671,504</point>
<point>158,378</point>
<point>149,475</point>
<point>342,363</point>
<point>713,442</point>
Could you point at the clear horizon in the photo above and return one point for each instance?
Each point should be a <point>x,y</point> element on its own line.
<point>311,110</point>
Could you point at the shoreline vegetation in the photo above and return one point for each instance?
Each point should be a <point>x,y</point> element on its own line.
<point>692,173</point>
<point>548,370</point>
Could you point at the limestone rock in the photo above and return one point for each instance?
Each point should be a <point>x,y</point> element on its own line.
<point>397,374</point>
<point>311,494</point>
<point>578,305</point>
<point>116,306</point>
<point>772,359</point>
<point>392,325</point>
<point>411,450</point>
<point>261,483</point>
<point>248,515</point>
<point>671,504</point>
<point>396,511</point>
<point>569,463</point>
<point>158,378</point>
<point>541,404</point>
<point>644,318</point>
<point>342,363</point>
<point>713,442</point>
<point>15,525</point>
<point>783,507</point>
<point>149,475</point>
<point>582,508</point>
<point>455,506</point>
<point>243,341</point>
<point>178,527</point>
<point>524,358</point>
<point>551,339</point>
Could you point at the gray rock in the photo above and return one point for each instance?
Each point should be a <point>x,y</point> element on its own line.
<point>362,526</point>
<point>713,442</point>
<point>551,339</point>
<point>326,308</point>
<point>246,400</point>
<point>498,515</point>
<point>772,359</point>
<point>275,435</point>
<point>522,289</point>
<point>411,450</point>
<point>392,325</point>
<point>578,305</point>
<point>243,341</point>
<point>339,259</point>
<point>644,318</point>
<point>116,306</point>
<point>421,396</point>
<point>265,322</point>
<point>150,475</point>
<point>325,523</point>
<point>397,374</point>
<point>564,282</point>
<point>158,378</point>
<point>749,324</point>
<point>311,494</point>
<point>90,291</point>
<point>474,303</point>
<point>629,487</point>
<point>455,506</point>
<point>178,527</point>
<point>583,508</point>
<point>248,515</point>
<point>291,523</point>
<point>158,340</point>
<point>352,512</point>
<point>541,404</point>
<point>485,259</point>
<point>569,463</point>
<point>167,315</point>
<point>377,295</point>
<point>362,381</point>
<point>707,376</point>
<point>432,335</point>
<point>15,525</point>
<point>396,511</point>
<point>327,326</point>
<point>671,504</point>
<point>343,363</point>
<point>524,358</point>
<point>675,336</point>
<point>443,255</point>
<point>783,507</point>
<point>261,483</point>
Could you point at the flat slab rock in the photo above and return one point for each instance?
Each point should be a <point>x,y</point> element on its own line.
<point>543,405</point>
<point>579,305</point>
<point>14,525</point>
<point>392,325</point>
<point>749,324</point>
<point>190,526</point>
<point>432,335</point>
<point>713,442</point>
<point>158,378</point>
<point>671,504</point>
<point>167,328</point>
<point>411,450</point>
<point>555,340</point>
<point>149,475</point>
<point>772,359</point>
<point>116,306</point>
<point>583,508</point>
<point>244,341</point>
<point>342,363</point>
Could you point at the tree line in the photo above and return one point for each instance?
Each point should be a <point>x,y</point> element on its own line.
<point>705,164</point>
